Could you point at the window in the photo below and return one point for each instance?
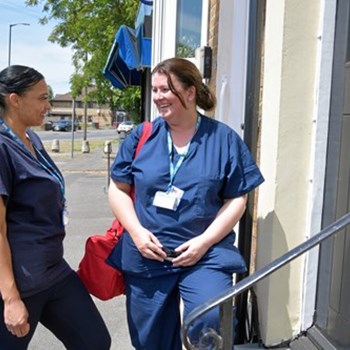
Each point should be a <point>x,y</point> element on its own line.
<point>188,27</point>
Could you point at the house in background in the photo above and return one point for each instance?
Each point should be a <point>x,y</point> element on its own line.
<point>97,115</point>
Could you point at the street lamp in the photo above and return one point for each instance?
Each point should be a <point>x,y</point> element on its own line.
<point>10,30</point>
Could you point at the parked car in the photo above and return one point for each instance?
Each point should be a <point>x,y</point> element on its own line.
<point>121,114</point>
<point>47,125</point>
<point>63,125</point>
<point>126,126</point>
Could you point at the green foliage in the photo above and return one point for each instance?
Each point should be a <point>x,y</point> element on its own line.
<point>132,103</point>
<point>50,92</point>
<point>186,46</point>
<point>89,27</point>
<point>185,51</point>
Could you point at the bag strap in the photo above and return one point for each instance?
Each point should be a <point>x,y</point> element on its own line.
<point>146,132</point>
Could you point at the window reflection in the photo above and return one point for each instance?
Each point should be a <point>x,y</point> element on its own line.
<point>188,27</point>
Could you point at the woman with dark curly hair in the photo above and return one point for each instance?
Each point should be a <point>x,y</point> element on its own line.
<point>36,283</point>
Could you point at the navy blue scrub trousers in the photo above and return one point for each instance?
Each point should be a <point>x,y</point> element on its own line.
<point>68,311</point>
<point>153,306</point>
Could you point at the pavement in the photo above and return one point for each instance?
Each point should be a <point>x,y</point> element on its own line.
<point>86,177</point>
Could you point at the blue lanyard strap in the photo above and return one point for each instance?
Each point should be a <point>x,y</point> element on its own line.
<point>44,163</point>
<point>173,168</point>
<point>10,132</point>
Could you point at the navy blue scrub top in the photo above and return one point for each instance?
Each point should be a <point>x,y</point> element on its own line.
<point>218,166</point>
<point>34,205</point>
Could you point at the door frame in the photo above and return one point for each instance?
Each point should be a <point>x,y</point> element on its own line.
<point>332,170</point>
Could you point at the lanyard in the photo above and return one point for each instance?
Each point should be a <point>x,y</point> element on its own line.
<point>173,168</point>
<point>44,163</point>
<point>47,166</point>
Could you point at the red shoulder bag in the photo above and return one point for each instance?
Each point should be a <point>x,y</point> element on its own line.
<point>99,278</point>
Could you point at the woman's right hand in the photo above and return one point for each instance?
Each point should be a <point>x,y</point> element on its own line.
<point>149,246</point>
<point>16,317</point>
<point>122,206</point>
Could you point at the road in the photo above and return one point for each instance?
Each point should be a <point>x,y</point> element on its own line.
<point>78,135</point>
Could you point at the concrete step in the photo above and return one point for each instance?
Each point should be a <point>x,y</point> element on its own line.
<point>254,347</point>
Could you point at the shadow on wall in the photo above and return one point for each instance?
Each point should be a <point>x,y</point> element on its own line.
<point>272,292</point>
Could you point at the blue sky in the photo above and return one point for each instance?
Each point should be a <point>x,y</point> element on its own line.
<point>30,46</point>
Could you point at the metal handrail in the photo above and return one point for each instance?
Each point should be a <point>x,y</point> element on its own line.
<point>248,282</point>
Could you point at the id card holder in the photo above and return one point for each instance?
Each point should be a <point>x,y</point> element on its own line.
<point>168,200</point>
<point>65,218</point>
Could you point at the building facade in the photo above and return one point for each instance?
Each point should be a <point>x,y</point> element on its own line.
<point>63,107</point>
<point>281,73</point>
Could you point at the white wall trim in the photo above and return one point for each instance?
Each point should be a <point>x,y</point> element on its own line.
<point>319,151</point>
<point>232,62</point>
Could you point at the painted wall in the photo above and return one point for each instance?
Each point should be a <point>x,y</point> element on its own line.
<point>287,136</point>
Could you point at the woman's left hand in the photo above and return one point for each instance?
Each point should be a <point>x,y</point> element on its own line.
<point>191,252</point>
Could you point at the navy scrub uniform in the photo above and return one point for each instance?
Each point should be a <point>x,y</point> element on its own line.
<point>51,291</point>
<point>218,166</point>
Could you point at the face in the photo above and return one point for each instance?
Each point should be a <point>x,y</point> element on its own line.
<point>168,104</point>
<point>33,105</point>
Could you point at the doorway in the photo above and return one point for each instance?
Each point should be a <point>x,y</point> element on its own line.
<point>332,318</point>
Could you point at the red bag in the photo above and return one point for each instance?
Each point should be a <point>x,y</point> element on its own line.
<point>100,279</point>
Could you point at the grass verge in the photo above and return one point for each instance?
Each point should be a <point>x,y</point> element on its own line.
<point>66,145</point>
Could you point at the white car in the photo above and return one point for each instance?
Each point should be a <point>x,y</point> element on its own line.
<point>126,126</point>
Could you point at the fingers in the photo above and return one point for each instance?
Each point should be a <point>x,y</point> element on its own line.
<point>156,241</point>
<point>20,330</point>
<point>191,253</point>
<point>150,247</point>
<point>150,254</point>
<point>16,318</point>
<point>153,251</point>
<point>186,259</point>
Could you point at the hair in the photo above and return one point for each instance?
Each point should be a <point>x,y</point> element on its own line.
<point>188,75</point>
<point>16,79</point>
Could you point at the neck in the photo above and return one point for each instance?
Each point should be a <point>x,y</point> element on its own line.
<point>18,129</point>
<point>182,134</point>
<point>186,124</point>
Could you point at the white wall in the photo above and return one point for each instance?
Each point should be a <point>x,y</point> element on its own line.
<point>290,78</point>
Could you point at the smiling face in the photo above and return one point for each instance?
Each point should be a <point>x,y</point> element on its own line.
<point>168,103</point>
<point>31,106</point>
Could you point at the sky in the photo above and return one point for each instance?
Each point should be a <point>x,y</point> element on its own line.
<point>30,45</point>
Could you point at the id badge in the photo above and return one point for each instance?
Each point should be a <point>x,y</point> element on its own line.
<point>65,218</point>
<point>168,200</point>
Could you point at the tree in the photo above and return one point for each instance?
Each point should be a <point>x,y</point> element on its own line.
<point>50,92</point>
<point>89,27</point>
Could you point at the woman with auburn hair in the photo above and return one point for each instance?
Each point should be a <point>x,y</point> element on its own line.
<point>191,181</point>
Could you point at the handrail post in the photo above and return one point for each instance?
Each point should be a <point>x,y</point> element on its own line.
<point>227,333</point>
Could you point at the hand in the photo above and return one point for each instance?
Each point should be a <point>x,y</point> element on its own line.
<point>149,246</point>
<point>191,252</point>
<point>16,318</point>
